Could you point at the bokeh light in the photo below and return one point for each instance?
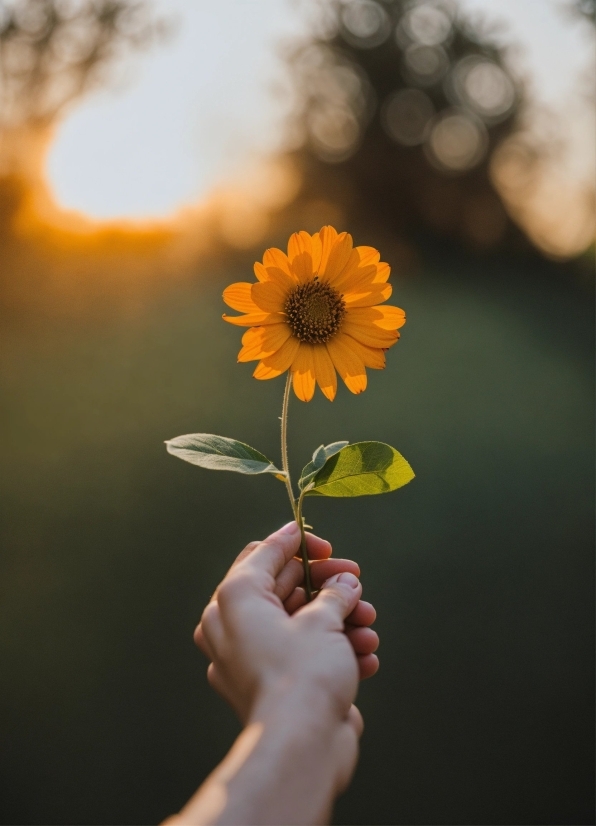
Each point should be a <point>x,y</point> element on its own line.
<point>339,102</point>
<point>428,24</point>
<point>365,23</point>
<point>425,65</point>
<point>457,141</point>
<point>484,87</point>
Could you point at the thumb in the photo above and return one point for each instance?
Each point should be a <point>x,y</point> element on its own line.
<point>336,600</point>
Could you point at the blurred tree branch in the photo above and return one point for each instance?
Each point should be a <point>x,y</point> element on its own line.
<point>401,105</point>
<point>53,51</point>
<point>583,8</point>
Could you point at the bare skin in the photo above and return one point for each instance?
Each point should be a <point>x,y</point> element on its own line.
<point>290,670</point>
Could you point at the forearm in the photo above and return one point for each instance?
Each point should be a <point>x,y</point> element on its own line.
<point>282,769</point>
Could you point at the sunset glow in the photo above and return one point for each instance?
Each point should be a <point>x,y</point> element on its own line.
<point>188,117</point>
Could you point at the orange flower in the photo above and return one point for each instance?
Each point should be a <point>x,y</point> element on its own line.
<point>316,310</point>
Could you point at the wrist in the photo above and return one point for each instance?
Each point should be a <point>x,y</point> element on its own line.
<point>287,745</point>
<point>300,704</point>
<point>298,745</point>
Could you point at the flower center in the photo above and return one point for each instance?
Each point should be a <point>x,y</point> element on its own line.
<point>315,311</point>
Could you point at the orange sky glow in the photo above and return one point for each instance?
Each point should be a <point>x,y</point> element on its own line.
<point>553,201</point>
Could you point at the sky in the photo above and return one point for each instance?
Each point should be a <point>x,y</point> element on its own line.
<point>192,112</point>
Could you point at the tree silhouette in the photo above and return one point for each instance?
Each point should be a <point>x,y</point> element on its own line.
<point>52,51</point>
<point>401,106</point>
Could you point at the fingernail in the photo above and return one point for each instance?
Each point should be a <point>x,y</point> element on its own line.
<point>348,579</point>
<point>290,528</point>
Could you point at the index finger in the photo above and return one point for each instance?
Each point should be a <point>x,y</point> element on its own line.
<point>271,555</point>
<point>317,548</point>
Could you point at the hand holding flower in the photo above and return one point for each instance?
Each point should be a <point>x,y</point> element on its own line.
<point>281,590</point>
<point>291,669</point>
<point>292,681</point>
<point>311,312</point>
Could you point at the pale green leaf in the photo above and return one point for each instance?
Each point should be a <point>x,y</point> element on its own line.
<point>361,469</point>
<point>220,453</point>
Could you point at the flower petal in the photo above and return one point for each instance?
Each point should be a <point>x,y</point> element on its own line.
<point>263,372</point>
<point>276,258</point>
<point>260,342</point>
<point>303,373</point>
<point>348,271</point>
<point>281,278</point>
<point>327,238</point>
<point>325,371</point>
<point>338,258</point>
<point>368,255</point>
<point>300,256</point>
<point>317,249</point>
<point>260,272</point>
<point>348,363</point>
<point>299,242</point>
<point>254,319</point>
<point>269,296</point>
<point>365,297</point>
<point>363,277</point>
<point>383,316</point>
<point>302,267</point>
<point>355,277</point>
<point>371,356</point>
<point>369,335</point>
<point>279,362</point>
<point>238,297</point>
<point>383,273</point>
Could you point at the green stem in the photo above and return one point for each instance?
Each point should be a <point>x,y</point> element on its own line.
<point>284,441</point>
<point>296,506</point>
<point>305,562</point>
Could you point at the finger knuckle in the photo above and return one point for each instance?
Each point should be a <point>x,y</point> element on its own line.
<point>335,603</point>
<point>209,618</point>
<point>233,588</point>
<point>213,677</point>
<point>198,635</point>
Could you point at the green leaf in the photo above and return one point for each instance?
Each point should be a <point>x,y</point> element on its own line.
<point>319,458</point>
<point>362,469</point>
<point>220,453</point>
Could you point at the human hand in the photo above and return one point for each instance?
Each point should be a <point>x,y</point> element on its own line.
<point>291,672</point>
<point>364,640</point>
<point>256,648</point>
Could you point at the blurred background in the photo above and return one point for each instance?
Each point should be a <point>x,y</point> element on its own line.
<point>149,153</point>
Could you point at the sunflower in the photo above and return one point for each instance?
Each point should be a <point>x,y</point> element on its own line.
<point>316,310</point>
